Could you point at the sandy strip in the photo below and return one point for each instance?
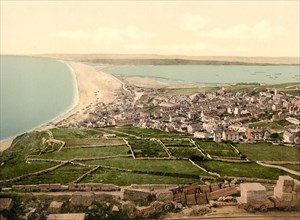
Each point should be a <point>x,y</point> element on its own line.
<point>93,86</point>
<point>5,144</point>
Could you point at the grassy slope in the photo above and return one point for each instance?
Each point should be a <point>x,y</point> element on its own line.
<point>170,166</point>
<point>268,152</point>
<point>242,169</point>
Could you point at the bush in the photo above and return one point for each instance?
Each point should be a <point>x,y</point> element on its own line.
<point>197,158</point>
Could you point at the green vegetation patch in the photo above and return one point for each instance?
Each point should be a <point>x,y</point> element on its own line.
<point>67,154</point>
<point>19,168</point>
<point>75,133</point>
<point>88,142</point>
<point>184,152</point>
<point>275,125</point>
<point>24,145</point>
<point>147,148</point>
<point>63,175</point>
<point>210,145</point>
<point>223,153</point>
<point>269,152</point>
<point>149,133</point>
<point>169,166</point>
<point>171,143</point>
<point>242,169</point>
<point>218,149</point>
<point>126,178</point>
<point>295,167</point>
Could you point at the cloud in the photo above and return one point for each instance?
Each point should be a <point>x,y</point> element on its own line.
<point>108,34</point>
<point>191,22</point>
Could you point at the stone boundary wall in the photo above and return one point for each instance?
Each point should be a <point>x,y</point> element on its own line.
<point>94,146</point>
<point>85,174</point>
<point>34,174</point>
<point>100,158</point>
<point>153,187</point>
<point>201,168</point>
<point>67,187</point>
<point>278,167</point>
<point>230,160</point>
<point>130,148</point>
<point>281,162</point>
<point>247,179</point>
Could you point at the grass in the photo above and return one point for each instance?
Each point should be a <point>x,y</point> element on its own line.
<point>210,145</point>
<point>145,148</point>
<point>222,153</point>
<point>275,125</point>
<point>295,167</point>
<point>269,152</point>
<point>184,152</point>
<point>125,178</point>
<point>242,169</point>
<point>217,149</point>
<point>67,154</point>
<point>170,166</point>
<point>87,142</point>
<point>149,133</point>
<point>63,175</point>
<point>19,168</point>
<point>75,133</point>
<point>172,143</point>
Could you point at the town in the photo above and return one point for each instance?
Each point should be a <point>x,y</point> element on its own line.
<point>222,115</point>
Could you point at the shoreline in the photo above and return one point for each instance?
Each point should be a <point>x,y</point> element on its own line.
<point>92,86</point>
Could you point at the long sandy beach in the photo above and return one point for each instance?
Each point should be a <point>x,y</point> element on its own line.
<point>93,86</point>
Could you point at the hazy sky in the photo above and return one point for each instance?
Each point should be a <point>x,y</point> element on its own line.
<point>203,28</point>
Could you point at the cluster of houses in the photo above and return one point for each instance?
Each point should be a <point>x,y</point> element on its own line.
<point>222,115</point>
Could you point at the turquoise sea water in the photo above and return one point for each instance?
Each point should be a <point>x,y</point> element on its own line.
<point>214,74</point>
<point>33,91</point>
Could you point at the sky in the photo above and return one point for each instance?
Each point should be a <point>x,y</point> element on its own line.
<point>197,28</point>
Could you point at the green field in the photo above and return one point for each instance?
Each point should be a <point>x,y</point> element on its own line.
<point>182,143</point>
<point>63,175</point>
<point>67,154</point>
<point>269,152</point>
<point>292,167</point>
<point>76,133</point>
<point>20,168</point>
<point>242,169</point>
<point>146,148</point>
<point>184,152</point>
<point>146,133</point>
<point>86,142</point>
<point>223,153</point>
<point>125,178</point>
<point>217,149</point>
<point>141,171</point>
<point>170,166</point>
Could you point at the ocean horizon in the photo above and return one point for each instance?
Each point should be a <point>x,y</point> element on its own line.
<point>34,91</point>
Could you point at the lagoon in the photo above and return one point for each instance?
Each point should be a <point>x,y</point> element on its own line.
<point>213,74</point>
<point>34,91</point>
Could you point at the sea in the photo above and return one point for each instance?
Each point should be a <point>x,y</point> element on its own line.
<point>34,91</point>
<point>213,75</point>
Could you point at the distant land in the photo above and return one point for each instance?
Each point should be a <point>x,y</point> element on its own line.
<point>152,59</point>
